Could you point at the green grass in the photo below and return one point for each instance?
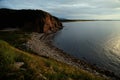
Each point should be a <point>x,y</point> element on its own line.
<point>15,38</point>
<point>36,67</point>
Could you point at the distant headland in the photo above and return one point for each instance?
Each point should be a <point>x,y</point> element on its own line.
<point>29,20</point>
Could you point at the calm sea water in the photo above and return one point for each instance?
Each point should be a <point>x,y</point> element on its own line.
<point>97,42</point>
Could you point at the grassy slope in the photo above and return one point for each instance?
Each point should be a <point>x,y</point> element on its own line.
<point>35,67</point>
<point>15,38</point>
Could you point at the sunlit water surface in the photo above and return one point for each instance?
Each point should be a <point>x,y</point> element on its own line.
<point>97,42</point>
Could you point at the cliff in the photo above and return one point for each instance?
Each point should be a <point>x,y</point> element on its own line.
<point>29,20</point>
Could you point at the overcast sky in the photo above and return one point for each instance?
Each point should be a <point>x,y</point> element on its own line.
<point>75,9</point>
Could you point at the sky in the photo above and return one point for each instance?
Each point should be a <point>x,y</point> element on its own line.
<point>70,9</point>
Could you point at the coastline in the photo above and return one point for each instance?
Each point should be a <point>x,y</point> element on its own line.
<point>42,45</point>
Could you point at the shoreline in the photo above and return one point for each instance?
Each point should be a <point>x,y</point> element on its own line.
<point>42,45</point>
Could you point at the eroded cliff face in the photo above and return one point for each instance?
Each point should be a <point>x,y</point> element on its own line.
<point>29,20</point>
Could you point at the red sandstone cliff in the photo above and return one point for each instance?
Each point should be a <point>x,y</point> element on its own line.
<point>29,20</point>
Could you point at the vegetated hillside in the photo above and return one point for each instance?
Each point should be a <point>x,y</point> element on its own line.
<point>29,20</point>
<point>16,64</point>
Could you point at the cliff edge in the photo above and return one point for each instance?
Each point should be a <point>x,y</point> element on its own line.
<point>29,20</point>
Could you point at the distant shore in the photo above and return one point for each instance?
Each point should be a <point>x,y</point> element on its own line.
<point>43,46</point>
<point>76,20</point>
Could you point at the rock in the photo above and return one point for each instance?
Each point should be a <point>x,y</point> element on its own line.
<point>29,20</point>
<point>17,65</point>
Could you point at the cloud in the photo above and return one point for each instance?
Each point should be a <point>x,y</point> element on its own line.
<point>84,9</point>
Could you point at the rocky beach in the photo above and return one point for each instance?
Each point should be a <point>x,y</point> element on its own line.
<point>42,45</point>
<point>41,28</point>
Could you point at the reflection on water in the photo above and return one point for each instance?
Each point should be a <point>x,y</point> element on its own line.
<point>98,42</point>
<point>112,50</point>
